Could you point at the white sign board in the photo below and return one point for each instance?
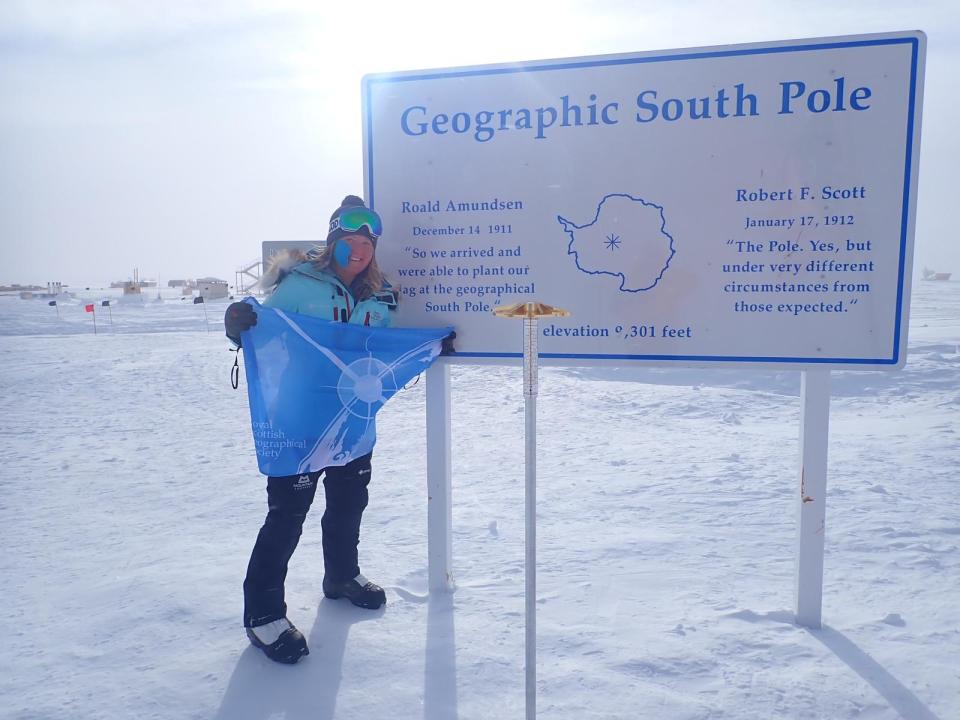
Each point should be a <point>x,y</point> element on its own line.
<point>270,248</point>
<point>740,204</point>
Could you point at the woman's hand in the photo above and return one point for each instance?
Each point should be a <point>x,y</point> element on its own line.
<point>446,345</point>
<point>239,317</point>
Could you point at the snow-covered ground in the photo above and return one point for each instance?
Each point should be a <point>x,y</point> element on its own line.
<point>130,499</point>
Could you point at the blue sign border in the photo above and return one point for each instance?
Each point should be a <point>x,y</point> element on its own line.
<point>370,81</point>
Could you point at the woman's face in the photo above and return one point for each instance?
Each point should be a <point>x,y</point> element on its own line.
<point>361,253</point>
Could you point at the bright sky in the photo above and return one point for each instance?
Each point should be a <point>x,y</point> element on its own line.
<point>176,138</point>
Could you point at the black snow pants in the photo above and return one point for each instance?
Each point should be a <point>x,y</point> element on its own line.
<point>288,500</point>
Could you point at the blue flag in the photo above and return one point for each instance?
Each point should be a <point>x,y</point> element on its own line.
<point>315,386</point>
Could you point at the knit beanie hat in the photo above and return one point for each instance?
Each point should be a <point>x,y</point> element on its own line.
<point>336,231</point>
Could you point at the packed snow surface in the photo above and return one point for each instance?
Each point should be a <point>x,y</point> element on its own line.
<point>667,501</point>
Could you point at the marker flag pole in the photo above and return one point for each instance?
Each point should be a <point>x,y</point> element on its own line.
<point>530,312</point>
<point>199,301</point>
<point>91,308</point>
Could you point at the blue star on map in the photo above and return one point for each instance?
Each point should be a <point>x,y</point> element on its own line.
<point>613,241</point>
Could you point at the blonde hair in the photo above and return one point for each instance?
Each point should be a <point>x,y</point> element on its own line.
<point>364,285</point>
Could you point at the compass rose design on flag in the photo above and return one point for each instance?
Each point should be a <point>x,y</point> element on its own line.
<point>315,386</point>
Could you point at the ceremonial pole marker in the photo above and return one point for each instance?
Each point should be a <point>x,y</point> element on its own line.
<point>530,312</point>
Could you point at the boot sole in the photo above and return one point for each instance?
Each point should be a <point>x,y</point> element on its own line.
<point>267,650</point>
<point>358,603</point>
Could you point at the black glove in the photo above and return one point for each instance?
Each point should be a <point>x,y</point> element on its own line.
<point>446,345</point>
<point>239,317</point>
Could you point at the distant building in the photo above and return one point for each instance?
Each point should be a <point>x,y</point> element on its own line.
<point>212,288</point>
<point>929,274</point>
<point>17,287</point>
<point>54,291</point>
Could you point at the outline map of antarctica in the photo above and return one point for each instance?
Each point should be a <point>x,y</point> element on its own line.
<point>627,238</point>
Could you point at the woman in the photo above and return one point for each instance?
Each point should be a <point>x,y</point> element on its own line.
<point>342,284</point>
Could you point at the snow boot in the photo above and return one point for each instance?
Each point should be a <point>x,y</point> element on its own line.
<point>360,591</point>
<point>279,640</point>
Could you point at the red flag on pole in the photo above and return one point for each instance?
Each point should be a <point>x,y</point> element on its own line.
<point>91,309</point>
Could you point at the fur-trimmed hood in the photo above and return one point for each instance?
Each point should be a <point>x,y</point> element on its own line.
<point>280,266</point>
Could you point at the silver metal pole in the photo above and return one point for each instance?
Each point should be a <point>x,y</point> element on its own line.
<point>530,506</point>
<point>530,311</point>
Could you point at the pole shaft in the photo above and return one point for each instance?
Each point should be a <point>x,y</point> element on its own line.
<point>530,508</point>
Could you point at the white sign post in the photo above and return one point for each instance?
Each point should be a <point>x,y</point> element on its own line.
<point>439,502</point>
<point>812,508</point>
<point>748,205</point>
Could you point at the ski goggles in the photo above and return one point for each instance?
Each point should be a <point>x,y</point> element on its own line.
<point>353,219</point>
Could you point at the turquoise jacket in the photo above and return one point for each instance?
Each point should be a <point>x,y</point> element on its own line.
<point>319,294</point>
